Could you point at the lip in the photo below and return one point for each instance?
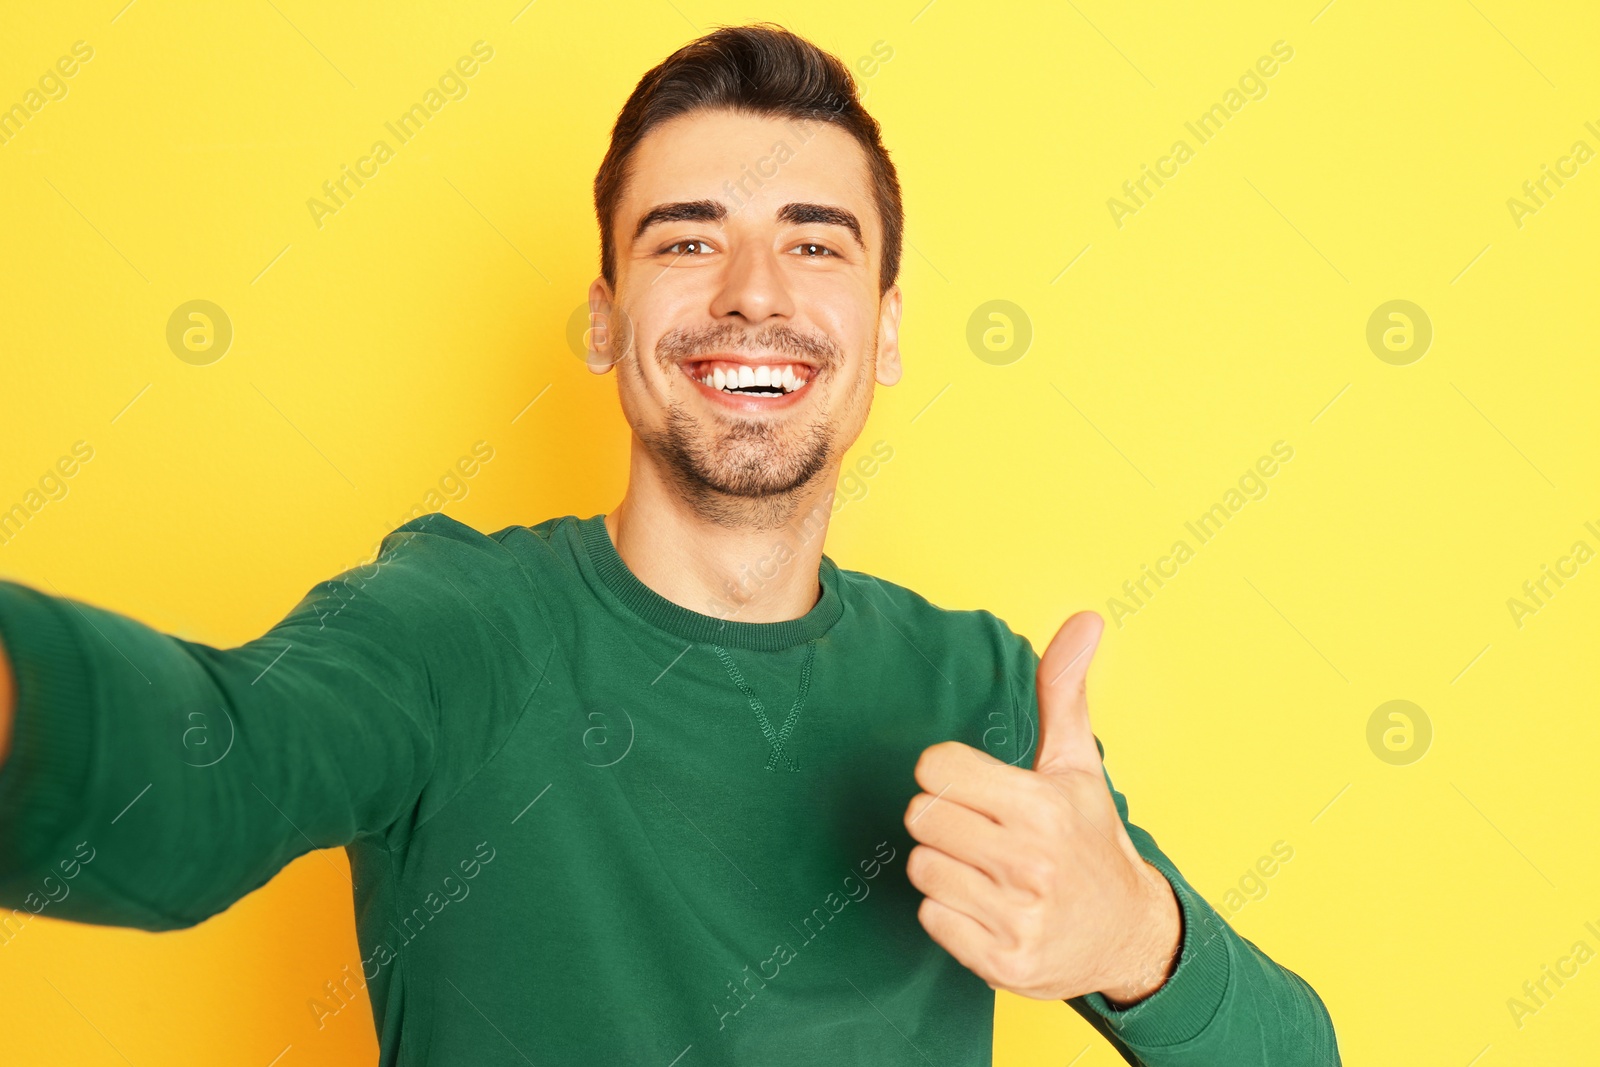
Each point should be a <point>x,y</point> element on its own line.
<point>750,361</point>
<point>749,404</point>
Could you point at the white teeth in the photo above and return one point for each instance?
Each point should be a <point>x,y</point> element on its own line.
<point>782,377</point>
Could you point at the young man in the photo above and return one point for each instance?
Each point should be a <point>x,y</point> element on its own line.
<point>644,787</point>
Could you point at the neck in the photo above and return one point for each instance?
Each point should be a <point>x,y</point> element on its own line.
<point>745,573</point>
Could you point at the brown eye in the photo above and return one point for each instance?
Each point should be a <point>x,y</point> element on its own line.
<point>700,248</point>
<point>822,251</point>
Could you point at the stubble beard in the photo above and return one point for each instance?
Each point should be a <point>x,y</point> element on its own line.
<point>742,473</point>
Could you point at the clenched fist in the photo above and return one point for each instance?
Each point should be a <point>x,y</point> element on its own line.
<point>1031,880</point>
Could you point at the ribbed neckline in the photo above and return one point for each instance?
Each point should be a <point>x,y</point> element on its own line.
<point>680,621</point>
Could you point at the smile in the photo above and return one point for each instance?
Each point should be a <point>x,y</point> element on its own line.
<point>761,381</point>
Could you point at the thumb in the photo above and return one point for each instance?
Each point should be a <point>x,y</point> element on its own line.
<point>1066,741</point>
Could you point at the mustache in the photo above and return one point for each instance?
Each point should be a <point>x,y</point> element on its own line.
<point>684,343</point>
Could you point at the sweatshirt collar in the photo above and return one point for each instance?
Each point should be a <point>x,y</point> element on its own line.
<point>688,625</point>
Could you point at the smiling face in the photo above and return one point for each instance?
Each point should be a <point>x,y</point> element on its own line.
<point>746,326</point>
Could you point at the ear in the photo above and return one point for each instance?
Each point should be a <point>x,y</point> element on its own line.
<point>888,370</point>
<point>603,337</point>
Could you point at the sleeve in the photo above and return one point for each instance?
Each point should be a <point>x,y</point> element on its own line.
<point>154,781</point>
<point>1226,1002</point>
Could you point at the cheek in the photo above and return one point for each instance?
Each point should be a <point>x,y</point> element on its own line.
<point>837,305</point>
<point>648,386</point>
<point>635,397</point>
<point>840,314</point>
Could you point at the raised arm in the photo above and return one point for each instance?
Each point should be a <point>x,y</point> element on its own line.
<point>192,774</point>
<point>1225,1001</point>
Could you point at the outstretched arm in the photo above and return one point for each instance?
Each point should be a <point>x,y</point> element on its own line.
<point>192,774</point>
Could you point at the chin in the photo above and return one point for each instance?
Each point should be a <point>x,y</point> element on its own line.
<point>741,471</point>
<point>752,461</point>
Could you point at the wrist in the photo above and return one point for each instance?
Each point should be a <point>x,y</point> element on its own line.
<point>1152,947</point>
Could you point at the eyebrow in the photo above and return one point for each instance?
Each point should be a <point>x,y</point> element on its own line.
<point>715,211</point>
<point>681,211</point>
<point>799,214</point>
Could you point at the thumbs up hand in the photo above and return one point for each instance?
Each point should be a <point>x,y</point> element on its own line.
<point>1030,879</point>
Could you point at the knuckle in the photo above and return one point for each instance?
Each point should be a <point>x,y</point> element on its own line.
<point>1026,893</point>
<point>1051,817</point>
<point>1028,925</point>
<point>1032,872</point>
<point>1041,791</point>
<point>1010,967</point>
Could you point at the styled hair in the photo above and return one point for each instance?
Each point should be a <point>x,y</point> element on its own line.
<point>760,69</point>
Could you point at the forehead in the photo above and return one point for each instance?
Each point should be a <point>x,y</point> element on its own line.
<point>758,161</point>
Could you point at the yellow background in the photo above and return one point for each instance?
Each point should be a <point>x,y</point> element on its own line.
<point>1229,313</point>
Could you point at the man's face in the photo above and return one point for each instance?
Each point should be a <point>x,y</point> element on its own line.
<point>746,325</point>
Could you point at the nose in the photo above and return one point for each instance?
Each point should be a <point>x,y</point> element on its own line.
<point>753,286</point>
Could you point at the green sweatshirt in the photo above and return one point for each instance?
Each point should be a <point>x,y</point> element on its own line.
<point>586,825</point>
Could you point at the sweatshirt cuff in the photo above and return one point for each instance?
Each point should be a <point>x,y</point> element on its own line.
<point>44,776</point>
<point>1188,1001</point>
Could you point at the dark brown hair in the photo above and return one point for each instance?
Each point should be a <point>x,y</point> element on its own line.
<point>760,69</point>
